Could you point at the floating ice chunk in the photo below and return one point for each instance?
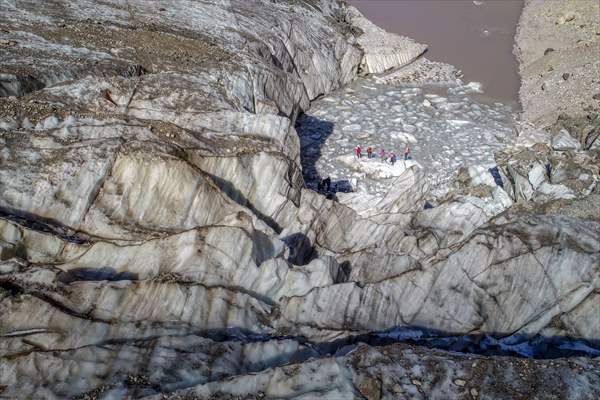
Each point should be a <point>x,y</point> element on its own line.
<point>471,87</point>
<point>474,87</point>
<point>450,106</point>
<point>404,137</point>
<point>438,100</point>
<point>351,128</point>
<point>409,128</point>
<point>459,122</point>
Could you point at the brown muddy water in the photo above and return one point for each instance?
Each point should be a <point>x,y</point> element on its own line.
<point>475,36</point>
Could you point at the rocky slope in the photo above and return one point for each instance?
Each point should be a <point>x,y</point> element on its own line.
<point>156,236</point>
<point>558,49</point>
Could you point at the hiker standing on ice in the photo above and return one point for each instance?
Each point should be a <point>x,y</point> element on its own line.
<point>406,153</point>
<point>369,152</point>
<point>382,154</point>
<point>393,159</point>
<point>327,184</point>
<point>358,151</point>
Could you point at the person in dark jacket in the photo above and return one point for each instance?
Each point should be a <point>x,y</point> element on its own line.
<point>327,184</point>
<point>393,159</point>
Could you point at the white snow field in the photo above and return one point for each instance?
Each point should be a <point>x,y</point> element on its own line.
<point>444,127</point>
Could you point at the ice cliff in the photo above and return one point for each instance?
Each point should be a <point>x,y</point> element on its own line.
<point>157,237</point>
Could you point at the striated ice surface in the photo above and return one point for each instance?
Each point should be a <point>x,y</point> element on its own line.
<point>444,127</point>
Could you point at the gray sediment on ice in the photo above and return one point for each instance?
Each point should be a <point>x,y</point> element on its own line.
<point>158,240</point>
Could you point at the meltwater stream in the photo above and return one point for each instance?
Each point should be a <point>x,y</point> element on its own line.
<point>535,347</point>
<point>444,127</point>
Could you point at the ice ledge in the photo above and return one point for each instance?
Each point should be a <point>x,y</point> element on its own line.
<point>382,50</point>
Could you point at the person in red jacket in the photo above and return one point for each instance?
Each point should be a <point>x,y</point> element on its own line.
<point>406,153</point>
<point>369,152</point>
<point>358,151</point>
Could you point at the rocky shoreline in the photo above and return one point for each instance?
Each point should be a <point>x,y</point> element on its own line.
<point>157,239</point>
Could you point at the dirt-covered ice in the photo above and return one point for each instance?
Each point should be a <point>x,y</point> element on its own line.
<point>444,127</point>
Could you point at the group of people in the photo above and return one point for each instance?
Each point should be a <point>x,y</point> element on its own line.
<point>325,185</point>
<point>382,154</point>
